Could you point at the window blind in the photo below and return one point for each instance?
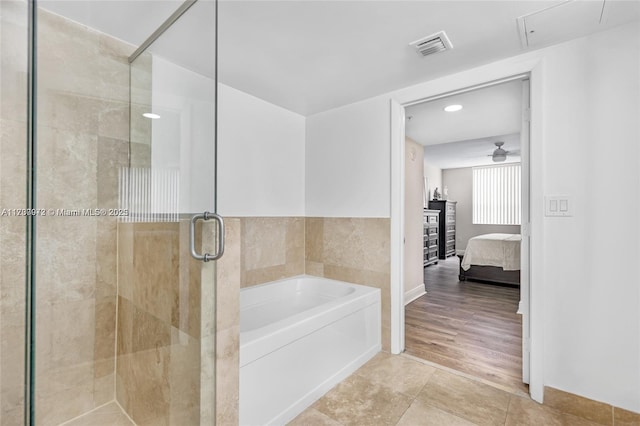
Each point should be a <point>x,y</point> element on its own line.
<point>496,194</point>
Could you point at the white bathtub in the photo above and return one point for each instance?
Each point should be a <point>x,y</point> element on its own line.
<point>298,338</point>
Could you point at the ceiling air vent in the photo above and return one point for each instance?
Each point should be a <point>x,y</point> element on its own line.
<point>434,43</point>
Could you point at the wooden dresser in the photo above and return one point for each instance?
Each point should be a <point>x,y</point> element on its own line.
<point>431,239</point>
<point>446,226</point>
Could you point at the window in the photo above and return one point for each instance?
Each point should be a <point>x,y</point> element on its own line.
<point>496,195</point>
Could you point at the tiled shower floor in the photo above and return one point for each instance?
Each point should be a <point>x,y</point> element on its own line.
<point>108,415</point>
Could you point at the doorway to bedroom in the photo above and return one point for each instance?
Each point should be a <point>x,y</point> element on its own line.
<point>463,252</point>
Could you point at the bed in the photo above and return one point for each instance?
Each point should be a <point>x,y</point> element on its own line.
<point>493,258</point>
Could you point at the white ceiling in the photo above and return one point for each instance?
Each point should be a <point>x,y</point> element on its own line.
<point>466,138</point>
<point>495,110</point>
<point>471,153</point>
<point>309,56</point>
<point>132,21</point>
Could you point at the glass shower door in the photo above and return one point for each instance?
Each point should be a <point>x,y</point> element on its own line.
<point>170,179</point>
<point>124,315</point>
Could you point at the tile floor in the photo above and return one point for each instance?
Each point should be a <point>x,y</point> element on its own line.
<point>405,391</point>
<point>400,390</point>
<point>108,415</point>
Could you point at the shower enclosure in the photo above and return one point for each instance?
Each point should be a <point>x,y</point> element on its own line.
<point>107,263</point>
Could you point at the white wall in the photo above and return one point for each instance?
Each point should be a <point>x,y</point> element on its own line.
<point>591,293</point>
<point>434,175</point>
<point>261,157</point>
<point>261,146</point>
<point>413,221</point>
<point>347,161</point>
<point>459,182</point>
<point>182,139</point>
<point>585,264</point>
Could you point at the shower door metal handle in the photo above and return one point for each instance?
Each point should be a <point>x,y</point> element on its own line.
<point>192,236</point>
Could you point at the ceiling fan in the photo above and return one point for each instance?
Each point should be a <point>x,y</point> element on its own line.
<point>499,154</point>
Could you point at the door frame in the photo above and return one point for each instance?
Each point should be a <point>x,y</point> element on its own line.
<point>443,87</point>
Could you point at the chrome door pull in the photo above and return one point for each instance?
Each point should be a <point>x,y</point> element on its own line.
<point>192,236</point>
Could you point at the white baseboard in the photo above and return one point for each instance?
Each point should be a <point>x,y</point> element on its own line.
<point>413,294</point>
<point>520,308</point>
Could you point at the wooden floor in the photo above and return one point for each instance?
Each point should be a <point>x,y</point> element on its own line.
<point>467,326</point>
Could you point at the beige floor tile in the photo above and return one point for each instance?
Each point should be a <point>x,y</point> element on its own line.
<point>107,415</point>
<point>422,414</point>
<point>476,402</point>
<point>312,417</point>
<point>579,406</point>
<point>399,373</point>
<point>571,420</point>
<point>523,411</point>
<point>625,418</point>
<point>358,401</point>
<point>526,412</point>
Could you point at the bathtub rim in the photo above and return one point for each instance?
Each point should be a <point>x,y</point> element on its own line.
<point>260,342</point>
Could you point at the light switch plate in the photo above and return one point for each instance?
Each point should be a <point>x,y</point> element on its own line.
<point>558,205</point>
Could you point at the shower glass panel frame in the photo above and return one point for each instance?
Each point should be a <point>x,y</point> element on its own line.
<point>16,139</point>
<point>119,319</point>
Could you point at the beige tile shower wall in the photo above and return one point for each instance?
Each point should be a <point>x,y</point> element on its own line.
<point>13,125</point>
<point>355,250</point>
<point>82,128</point>
<point>141,100</point>
<point>227,327</point>
<point>178,325</point>
<point>159,323</point>
<point>272,248</point>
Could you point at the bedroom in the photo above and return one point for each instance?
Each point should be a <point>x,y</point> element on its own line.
<point>462,226</point>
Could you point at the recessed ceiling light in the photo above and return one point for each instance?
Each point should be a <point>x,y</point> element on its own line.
<point>453,108</point>
<point>151,115</point>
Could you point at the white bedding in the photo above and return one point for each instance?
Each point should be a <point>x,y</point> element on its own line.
<point>501,250</point>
